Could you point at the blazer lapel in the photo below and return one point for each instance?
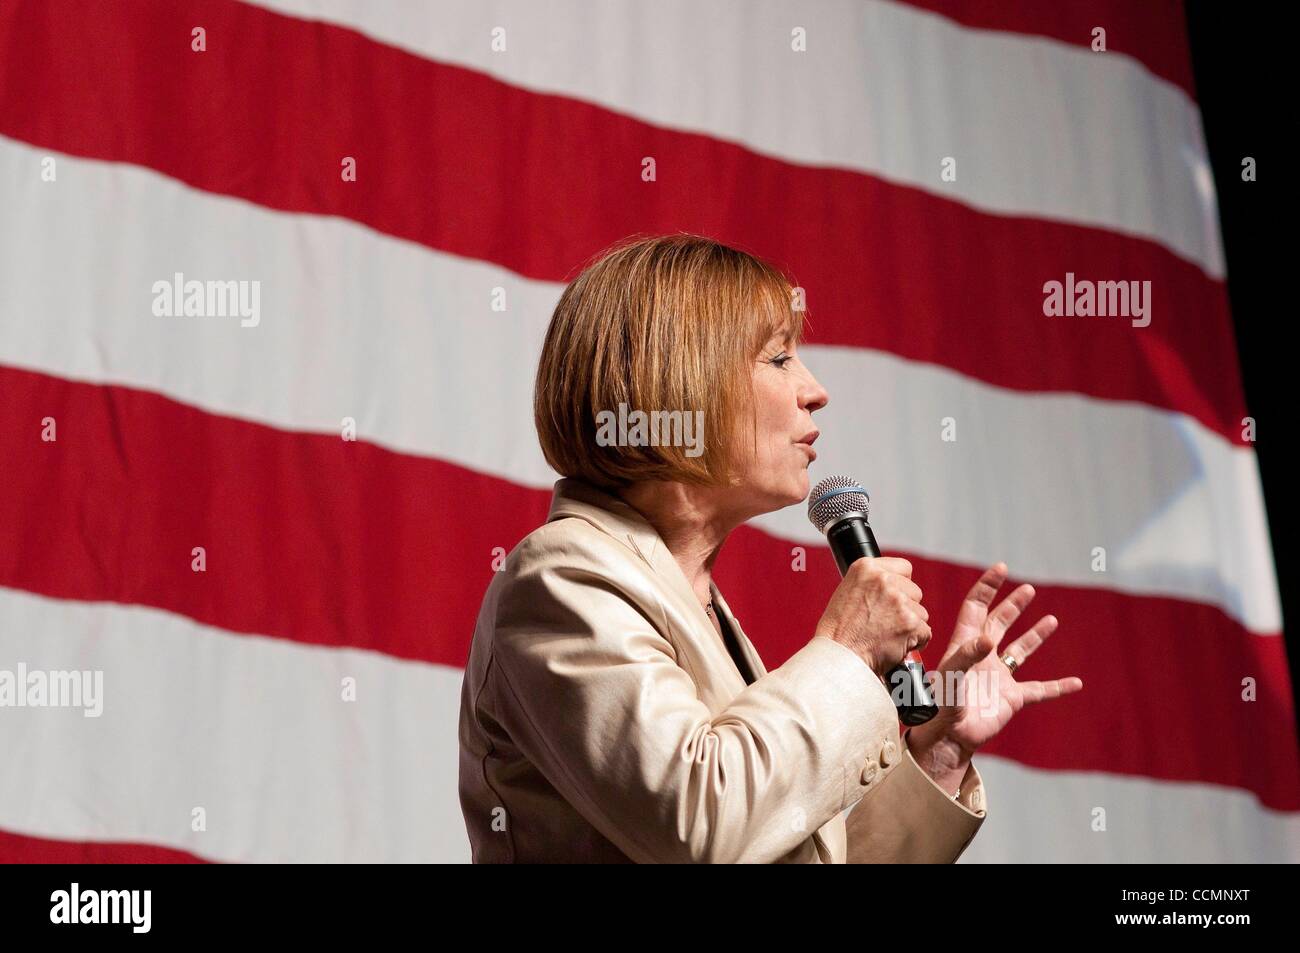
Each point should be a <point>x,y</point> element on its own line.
<point>756,666</point>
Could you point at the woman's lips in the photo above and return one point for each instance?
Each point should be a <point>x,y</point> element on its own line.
<point>812,454</point>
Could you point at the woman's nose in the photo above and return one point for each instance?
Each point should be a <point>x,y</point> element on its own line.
<point>814,396</point>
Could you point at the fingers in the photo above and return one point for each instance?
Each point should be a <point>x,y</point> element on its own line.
<point>1034,692</point>
<point>922,627</point>
<point>968,653</point>
<point>894,564</point>
<point>974,608</point>
<point>919,638</point>
<point>908,587</point>
<point>1024,646</point>
<point>894,573</point>
<point>1009,610</point>
<point>986,587</point>
<point>910,594</point>
<point>919,633</point>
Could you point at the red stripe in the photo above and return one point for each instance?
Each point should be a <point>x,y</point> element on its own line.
<point>306,537</point>
<point>1153,32</point>
<point>885,266</point>
<point>322,541</point>
<point>22,849</point>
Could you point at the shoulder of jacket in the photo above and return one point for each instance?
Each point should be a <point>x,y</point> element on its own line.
<point>546,564</point>
<point>572,540</point>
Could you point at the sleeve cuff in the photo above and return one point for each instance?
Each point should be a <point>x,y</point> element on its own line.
<point>973,801</point>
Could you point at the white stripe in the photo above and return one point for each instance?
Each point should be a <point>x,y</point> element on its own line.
<point>1043,481</point>
<point>253,731</point>
<point>1037,816</point>
<point>1038,127</point>
<point>358,324</point>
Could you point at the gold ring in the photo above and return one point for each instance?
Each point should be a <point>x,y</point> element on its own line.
<point>1011,663</point>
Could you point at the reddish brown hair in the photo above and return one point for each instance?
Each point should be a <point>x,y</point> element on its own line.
<point>670,322</point>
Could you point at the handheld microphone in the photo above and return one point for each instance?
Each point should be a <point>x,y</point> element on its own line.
<point>838,506</point>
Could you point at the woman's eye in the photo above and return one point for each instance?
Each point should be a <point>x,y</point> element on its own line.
<point>781,360</point>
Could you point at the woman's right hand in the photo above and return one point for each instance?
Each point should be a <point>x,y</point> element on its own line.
<point>876,611</point>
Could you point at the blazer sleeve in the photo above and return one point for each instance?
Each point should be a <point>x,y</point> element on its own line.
<point>594,695</point>
<point>910,819</point>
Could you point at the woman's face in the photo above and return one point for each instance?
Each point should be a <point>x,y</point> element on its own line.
<point>786,394</point>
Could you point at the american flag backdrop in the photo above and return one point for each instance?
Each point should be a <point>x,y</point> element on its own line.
<point>270,528</point>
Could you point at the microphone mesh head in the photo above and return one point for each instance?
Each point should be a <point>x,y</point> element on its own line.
<point>834,497</point>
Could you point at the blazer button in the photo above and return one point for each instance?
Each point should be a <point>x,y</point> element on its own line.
<point>889,753</point>
<point>869,772</point>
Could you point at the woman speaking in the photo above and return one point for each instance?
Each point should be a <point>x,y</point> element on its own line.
<point>612,709</point>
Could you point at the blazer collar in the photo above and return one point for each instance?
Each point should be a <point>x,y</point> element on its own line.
<point>576,497</point>
<point>608,512</point>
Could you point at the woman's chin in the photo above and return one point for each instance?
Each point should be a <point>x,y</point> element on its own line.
<point>777,497</point>
<point>802,485</point>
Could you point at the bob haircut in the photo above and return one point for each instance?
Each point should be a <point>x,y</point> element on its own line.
<point>659,323</point>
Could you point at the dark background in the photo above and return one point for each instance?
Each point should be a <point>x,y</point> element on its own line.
<point>1233,55</point>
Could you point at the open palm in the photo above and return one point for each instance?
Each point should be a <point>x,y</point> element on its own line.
<point>992,695</point>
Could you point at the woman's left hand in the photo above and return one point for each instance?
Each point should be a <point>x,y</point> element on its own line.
<point>992,693</point>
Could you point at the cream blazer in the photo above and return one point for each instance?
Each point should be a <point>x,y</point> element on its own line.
<point>603,720</point>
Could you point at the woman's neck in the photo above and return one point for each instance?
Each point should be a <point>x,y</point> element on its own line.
<point>691,523</point>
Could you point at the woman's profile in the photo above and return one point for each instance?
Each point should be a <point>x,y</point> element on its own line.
<point>613,710</point>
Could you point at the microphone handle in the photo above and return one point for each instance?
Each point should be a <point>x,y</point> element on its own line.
<point>850,540</point>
